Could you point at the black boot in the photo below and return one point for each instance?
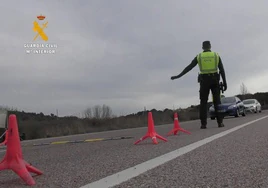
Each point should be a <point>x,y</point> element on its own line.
<point>220,121</point>
<point>203,126</point>
<point>220,125</point>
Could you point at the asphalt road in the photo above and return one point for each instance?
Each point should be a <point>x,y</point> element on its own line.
<point>238,158</point>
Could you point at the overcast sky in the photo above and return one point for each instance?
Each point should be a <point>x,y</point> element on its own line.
<point>122,53</point>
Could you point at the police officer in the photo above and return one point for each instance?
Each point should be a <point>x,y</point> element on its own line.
<point>209,62</point>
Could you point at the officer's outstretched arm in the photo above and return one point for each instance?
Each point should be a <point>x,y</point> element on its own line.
<point>187,69</point>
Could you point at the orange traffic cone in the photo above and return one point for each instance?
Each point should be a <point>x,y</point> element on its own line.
<point>151,131</point>
<point>5,141</point>
<point>177,127</point>
<point>13,159</point>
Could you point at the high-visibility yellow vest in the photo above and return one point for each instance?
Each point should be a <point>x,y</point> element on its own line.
<point>208,62</point>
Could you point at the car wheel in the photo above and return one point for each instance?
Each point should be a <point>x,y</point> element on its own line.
<point>256,110</point>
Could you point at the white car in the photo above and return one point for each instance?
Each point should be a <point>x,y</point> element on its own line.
<point>252,105</point>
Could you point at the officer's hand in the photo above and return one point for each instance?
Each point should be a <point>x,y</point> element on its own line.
<point>224,86</point>
<point>173,77</point>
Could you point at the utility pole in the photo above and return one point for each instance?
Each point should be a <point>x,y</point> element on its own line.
<point>144,112</point>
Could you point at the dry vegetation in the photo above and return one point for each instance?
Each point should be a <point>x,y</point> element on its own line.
<point>101,118</point>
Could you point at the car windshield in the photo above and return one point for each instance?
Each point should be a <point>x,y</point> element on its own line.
<point>228,100</point>
<point>249,101</point>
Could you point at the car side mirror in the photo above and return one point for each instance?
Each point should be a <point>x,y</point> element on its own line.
<point>237,102</point>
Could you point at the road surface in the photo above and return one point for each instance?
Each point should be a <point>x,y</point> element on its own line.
<point>233,156</point>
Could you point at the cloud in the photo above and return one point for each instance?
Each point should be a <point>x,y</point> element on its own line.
<point>123,53</point>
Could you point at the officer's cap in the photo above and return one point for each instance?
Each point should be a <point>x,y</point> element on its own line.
<point>206,44</point>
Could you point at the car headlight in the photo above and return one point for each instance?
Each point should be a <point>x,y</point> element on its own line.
<point>232,106</point>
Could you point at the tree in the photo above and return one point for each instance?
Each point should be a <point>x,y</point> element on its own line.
<point>106,111</point>
<point>88,113</point>
<point>243,89</point>
<point>98,112</point>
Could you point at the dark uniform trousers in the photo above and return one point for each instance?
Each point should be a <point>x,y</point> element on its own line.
<point>209,82</point>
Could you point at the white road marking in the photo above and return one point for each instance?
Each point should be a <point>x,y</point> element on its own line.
<point>137,170</point>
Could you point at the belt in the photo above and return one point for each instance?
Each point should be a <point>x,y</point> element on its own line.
<point>210,74</point>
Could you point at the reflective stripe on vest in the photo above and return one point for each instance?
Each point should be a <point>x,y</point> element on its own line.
<point>208,62</point>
